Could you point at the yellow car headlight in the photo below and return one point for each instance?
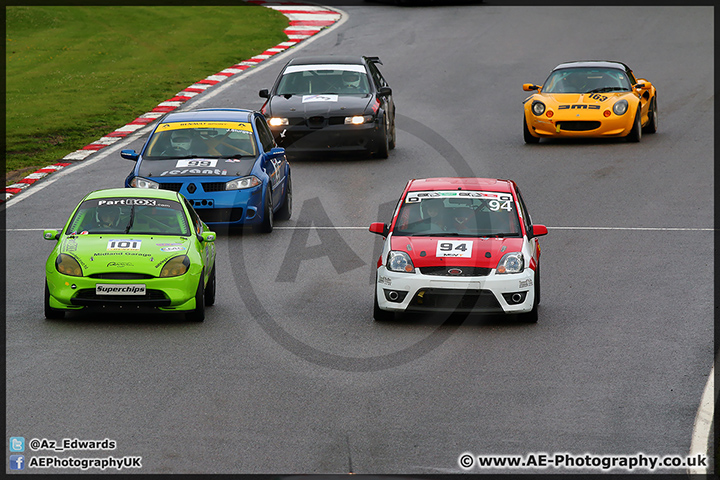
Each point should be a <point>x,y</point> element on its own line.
<point>67,265</point>
<point>176,266</point>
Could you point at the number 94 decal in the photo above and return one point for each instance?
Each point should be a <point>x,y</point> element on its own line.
<point>454,248</point>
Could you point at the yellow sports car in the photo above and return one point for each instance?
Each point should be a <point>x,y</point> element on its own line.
<point>590,99</point>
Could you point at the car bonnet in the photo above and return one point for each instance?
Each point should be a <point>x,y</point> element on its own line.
<point>477,251</point>
<point>196,167</point>
<point>318,105</point>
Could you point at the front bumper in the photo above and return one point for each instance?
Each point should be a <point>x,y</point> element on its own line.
<point>569,125</point>
<point>168,294</point>
<point>301,138</point>
<point>416,292</point>
<point>219,207</point>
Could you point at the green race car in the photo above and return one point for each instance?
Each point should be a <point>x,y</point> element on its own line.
<point>129,249</point>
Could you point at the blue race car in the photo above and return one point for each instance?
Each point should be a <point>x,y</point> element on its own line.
<point>223,160</point>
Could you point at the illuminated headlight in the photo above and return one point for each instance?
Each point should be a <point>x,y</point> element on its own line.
<point>358,119</point>
<point>277,121</point>
<point>139,182</point>
<point>400,262</point>
<point>67,265</point>
<point>244,182</point>
<point>512,262</point>
<point>538,108</point>
<point>176,266</point>
<point>620,107</point>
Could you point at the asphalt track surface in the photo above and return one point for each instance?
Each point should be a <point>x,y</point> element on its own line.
<point>289,373</point>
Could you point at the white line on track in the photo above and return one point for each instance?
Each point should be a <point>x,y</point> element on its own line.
<point>315,227</point>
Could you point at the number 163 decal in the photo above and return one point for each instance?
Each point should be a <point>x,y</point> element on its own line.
<point>454,248</point>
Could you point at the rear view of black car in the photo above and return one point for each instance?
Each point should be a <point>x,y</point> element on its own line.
<point>331,103</point>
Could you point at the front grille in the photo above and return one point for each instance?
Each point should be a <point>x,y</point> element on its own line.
<point>152,298</point>
<point>579,126</point>
<point>121,276</point>
<point>175,187</point>
<point>465,271</point>
<point>222,215</point>
<point>316,122</point>
<point>455,299</point>
<point>214,186</point>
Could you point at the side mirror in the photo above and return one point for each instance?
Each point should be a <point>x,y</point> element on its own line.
<point>529,87</point>
<point>207,237</point>
<point>51,234</point>
<point>276,152</point>
<point>643,85</point>
<point>539,230</point>
<point>264,93</point>
<point>379,228</point>
<point>384,91</point>
<point>130,155</point>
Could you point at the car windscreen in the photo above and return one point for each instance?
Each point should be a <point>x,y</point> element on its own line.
<point>587,80</point>
<point>324,79</point>
<point>201,140</point>
<point>458,213</point>
<point>129,215</point>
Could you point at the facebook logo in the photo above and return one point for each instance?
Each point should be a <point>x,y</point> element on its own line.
<point>17,462</point>
<point>17,444</point>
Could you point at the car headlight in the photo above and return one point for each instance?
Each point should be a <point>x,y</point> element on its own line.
<point>277,121</point>
<point>512,262</point>
<point>358,119</point>
<point>139,182</point>
<point>67,265</point>
<point>400,262</point>
<point>176,266</point>
<point>620,107</point>
<point>538,108</point>
<point>243,182</point>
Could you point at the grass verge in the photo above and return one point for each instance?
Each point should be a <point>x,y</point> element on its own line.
<point>76,73</point>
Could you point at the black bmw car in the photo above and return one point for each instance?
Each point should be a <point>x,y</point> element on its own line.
<point>331,103</point>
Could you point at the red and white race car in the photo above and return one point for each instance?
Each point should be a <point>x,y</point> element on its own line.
<point>459,245</point>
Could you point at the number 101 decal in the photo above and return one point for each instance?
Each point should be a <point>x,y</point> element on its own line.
<point>454,248</point>
<point>124,244</point>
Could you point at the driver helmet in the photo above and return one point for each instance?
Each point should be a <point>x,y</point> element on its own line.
<point>351,79</point>
<point>181,140</point>
<point>434,204</point>
<point>107,215</point>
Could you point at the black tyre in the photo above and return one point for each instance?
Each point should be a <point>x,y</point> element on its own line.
<point>210,289</point>
<point>383,150</point>
<point>529,139</point>
<point>636,133</point>
<point>198,314</point>
<point>51,313</point>
<point>268,221</point>
<point>652,124</point>
<point>393,133</point>
<point>381,315</point>
<point>285,211</point>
